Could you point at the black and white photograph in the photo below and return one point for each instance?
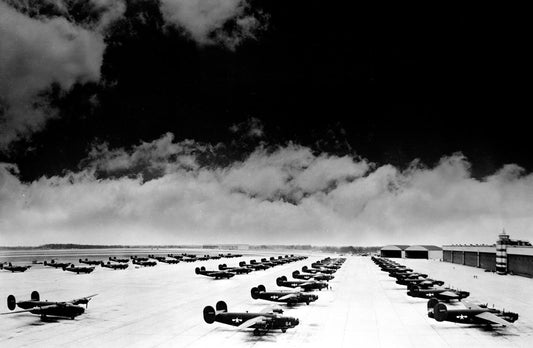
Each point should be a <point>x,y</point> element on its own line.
<point>265,173</point>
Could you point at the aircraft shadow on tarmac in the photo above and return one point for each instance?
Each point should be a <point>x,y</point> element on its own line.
<point>248,335</point>
<point>495,331</point>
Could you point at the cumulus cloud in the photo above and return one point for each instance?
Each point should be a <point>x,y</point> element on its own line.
<point>206,21</point>
<point>282,195</point>
<point>34,54</point>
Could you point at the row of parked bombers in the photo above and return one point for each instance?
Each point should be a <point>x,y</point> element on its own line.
<point>119,263</point>
<point>444,304</point>
<point>314,278</point>
<point>228,272</point>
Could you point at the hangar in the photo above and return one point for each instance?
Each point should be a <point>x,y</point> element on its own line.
<point>506,256</point>
<point>393,251</point>
<point>423,252</point>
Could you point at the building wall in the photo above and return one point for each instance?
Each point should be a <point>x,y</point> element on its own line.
<point>457,257</point>
<point>471,258</point>
<point>487,261</point>
<point>520,264</point>
<point>447,255</point>
<point>435,254</point>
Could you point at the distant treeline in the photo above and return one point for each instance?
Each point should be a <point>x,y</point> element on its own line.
<point>329,249</point>
<point>91,246</point>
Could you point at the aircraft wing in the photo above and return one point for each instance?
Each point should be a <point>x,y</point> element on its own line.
<point>248,323</point>
<point>493,318</point>
<point>449,295</point>
<point>272,309</point>
<point>287,297</point>
<point>82,299</point>
<point>32,309</point>
<point>471,305</point>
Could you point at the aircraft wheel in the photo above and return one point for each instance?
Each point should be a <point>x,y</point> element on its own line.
<point>256,332</point>
<point>283,330</point>
<point>307,303</point>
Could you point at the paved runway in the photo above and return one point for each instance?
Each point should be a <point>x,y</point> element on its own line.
<point>162,307</point>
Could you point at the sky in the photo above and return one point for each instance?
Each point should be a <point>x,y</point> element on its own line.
<point>242,121</point>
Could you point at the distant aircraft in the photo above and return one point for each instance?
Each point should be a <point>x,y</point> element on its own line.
<point>236,270</point>
<point>317,270</point>
<point>469,314</point>
<point>68,309</point>
<point>164,259</point>
<point>255,266</point>
<point>307,285</point>
<point>57,264</point>
<point>261,322</point>
<point>214,274</point>
<point>316,276</point>
<point>145,263</point>
<point>291,298</point>
<point>189,259</point>
<point>90,262</point>
<point>170,261</point>
<point>134,257</point>
<point>419,282</point>
<point>114,266</point>
<point>177,257</point>
<point>442,294</point>
<point>78,270</point>
<point>115,259</point>
<point>12,269</point>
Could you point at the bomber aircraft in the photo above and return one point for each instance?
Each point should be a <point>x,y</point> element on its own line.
<point>90,262</point>
<point>115,259</point>
<point>316,276</point>
<point>78,270</point>
<point>144,263</point>
<point>469,313</point>
<point>114,266</point>
<point>68,309</point>
<point>55,264</point>
<point>261,322</point>
<point>136,258</point>
<point>214,274</point>
<point>255,266</point>
<point>440,293</point>
<point>291,298</point>
<point>236,270</point>
<point>12,269</point>
<point>307,285</point>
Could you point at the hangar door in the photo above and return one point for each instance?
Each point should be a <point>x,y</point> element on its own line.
<point>471,258</point>
<point>447,255</point>
<point>458,257</point>
<point>487,261</point>
<point>520,264</point>
<point>391,253</point>
<point>416,254</point>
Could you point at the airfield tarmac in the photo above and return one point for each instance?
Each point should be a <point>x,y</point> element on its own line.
<point>162,307</point>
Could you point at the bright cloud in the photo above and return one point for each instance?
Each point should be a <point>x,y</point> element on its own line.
<point>282,195</point>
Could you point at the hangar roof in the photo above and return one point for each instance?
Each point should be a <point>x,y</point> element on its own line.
<point>424,247</point>
<point>395,247</point>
